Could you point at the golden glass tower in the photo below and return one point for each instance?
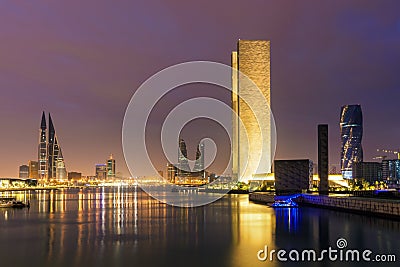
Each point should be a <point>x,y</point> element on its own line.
<point>252,145</point>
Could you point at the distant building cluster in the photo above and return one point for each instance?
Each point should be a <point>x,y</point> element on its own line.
<point>252,58</point>
<point>107,170</point>
<point>353,165</point>
<point>50,165</point>
<point>181,173</point>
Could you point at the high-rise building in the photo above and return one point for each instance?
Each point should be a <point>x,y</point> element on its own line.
<point>199,163</point>
<point>33,169</point>
<point>183,163</point>
<point>52,151</point>
<point>351,131</point>
<point>171,172</point>
<point>251,142</point>
<point>101,171</point>
<point>49,151</point>
<point>111,167</point>
<point>42,149</point>
<point>323,158</point>
<point>24,171</point>
<point>61,172</point>
<point>391,171</point>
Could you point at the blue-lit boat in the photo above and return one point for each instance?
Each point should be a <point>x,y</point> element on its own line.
<point>285,202</point>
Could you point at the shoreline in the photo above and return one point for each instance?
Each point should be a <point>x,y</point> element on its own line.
<point>383,208</point>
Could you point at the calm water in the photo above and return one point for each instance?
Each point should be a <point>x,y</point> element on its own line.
<point>125,227</point>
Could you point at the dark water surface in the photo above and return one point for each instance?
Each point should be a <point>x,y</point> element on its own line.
<point>126,227</point>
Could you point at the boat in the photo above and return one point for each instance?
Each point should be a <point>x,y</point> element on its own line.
<point>11,202</point>
<point>284,204</point>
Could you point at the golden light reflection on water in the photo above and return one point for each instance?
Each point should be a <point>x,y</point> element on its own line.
<point>107,226</point>
<point>254,226</point>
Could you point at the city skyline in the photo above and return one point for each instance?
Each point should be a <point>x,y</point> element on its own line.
<point>86,72</point>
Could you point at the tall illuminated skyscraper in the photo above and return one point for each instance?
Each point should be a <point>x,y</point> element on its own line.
<point>33,169</point>
<point>61,172</point>
<point>42,149</point>
<point>49,151</point>
<point>199,163</point>
<point>183,163</point>
<point>23,171</point>
<point>101,171</point>
<point>252,58</point>
<point>351,131</point>
<point>111,167</point>
<point>52,151</point>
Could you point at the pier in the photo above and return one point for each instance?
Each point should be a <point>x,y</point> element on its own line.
<point>387,208</point>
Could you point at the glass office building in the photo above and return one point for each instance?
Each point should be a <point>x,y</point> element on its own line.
<point>351,132</point>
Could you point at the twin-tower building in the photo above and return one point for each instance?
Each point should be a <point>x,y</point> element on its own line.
<point>50,158</point>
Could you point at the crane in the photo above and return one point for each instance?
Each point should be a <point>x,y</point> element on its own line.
<point>388,151</point>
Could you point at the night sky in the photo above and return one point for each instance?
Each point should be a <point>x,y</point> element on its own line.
<point>83,60</point>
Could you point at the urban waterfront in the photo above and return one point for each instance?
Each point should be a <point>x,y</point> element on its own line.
<point>123,226</point>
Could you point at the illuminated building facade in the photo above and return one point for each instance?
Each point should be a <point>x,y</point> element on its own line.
<point>33,169</point>
<point>252,58</point>
<point>101,171</point>
<point>61,172</point>
<point>199,163</point>
<point>391,171</point>
<point>52,151</point>
<point>182,173</point>
<point>171,172</point>
<point>42,150</point>
<point>49,151</point>
<point>351,131</point>
<point>111,167</point>
<point>74,176</point>
<point>183,164</point>
<point>24,171</point>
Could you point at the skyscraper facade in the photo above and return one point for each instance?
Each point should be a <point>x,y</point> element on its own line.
<point>49,151</point>
<point>391,171</point>
<point>24,171</point>
<point>101,171</point>
<point>183,163</point>
<point>199,163</point>
<point>111,167</point>
<point>183,168</point>
<point>42,150</point>
<point>351,131</point>
<point>33,169</point>
<point>251,142</point>
<point>323,158</point>
<point>171,172</point>
<point>61,172</point>
<point>52,151</point>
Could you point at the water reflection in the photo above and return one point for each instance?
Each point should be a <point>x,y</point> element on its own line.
<point>124,226</point>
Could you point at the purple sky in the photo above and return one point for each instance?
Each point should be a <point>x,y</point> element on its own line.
<point>83,60</point>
